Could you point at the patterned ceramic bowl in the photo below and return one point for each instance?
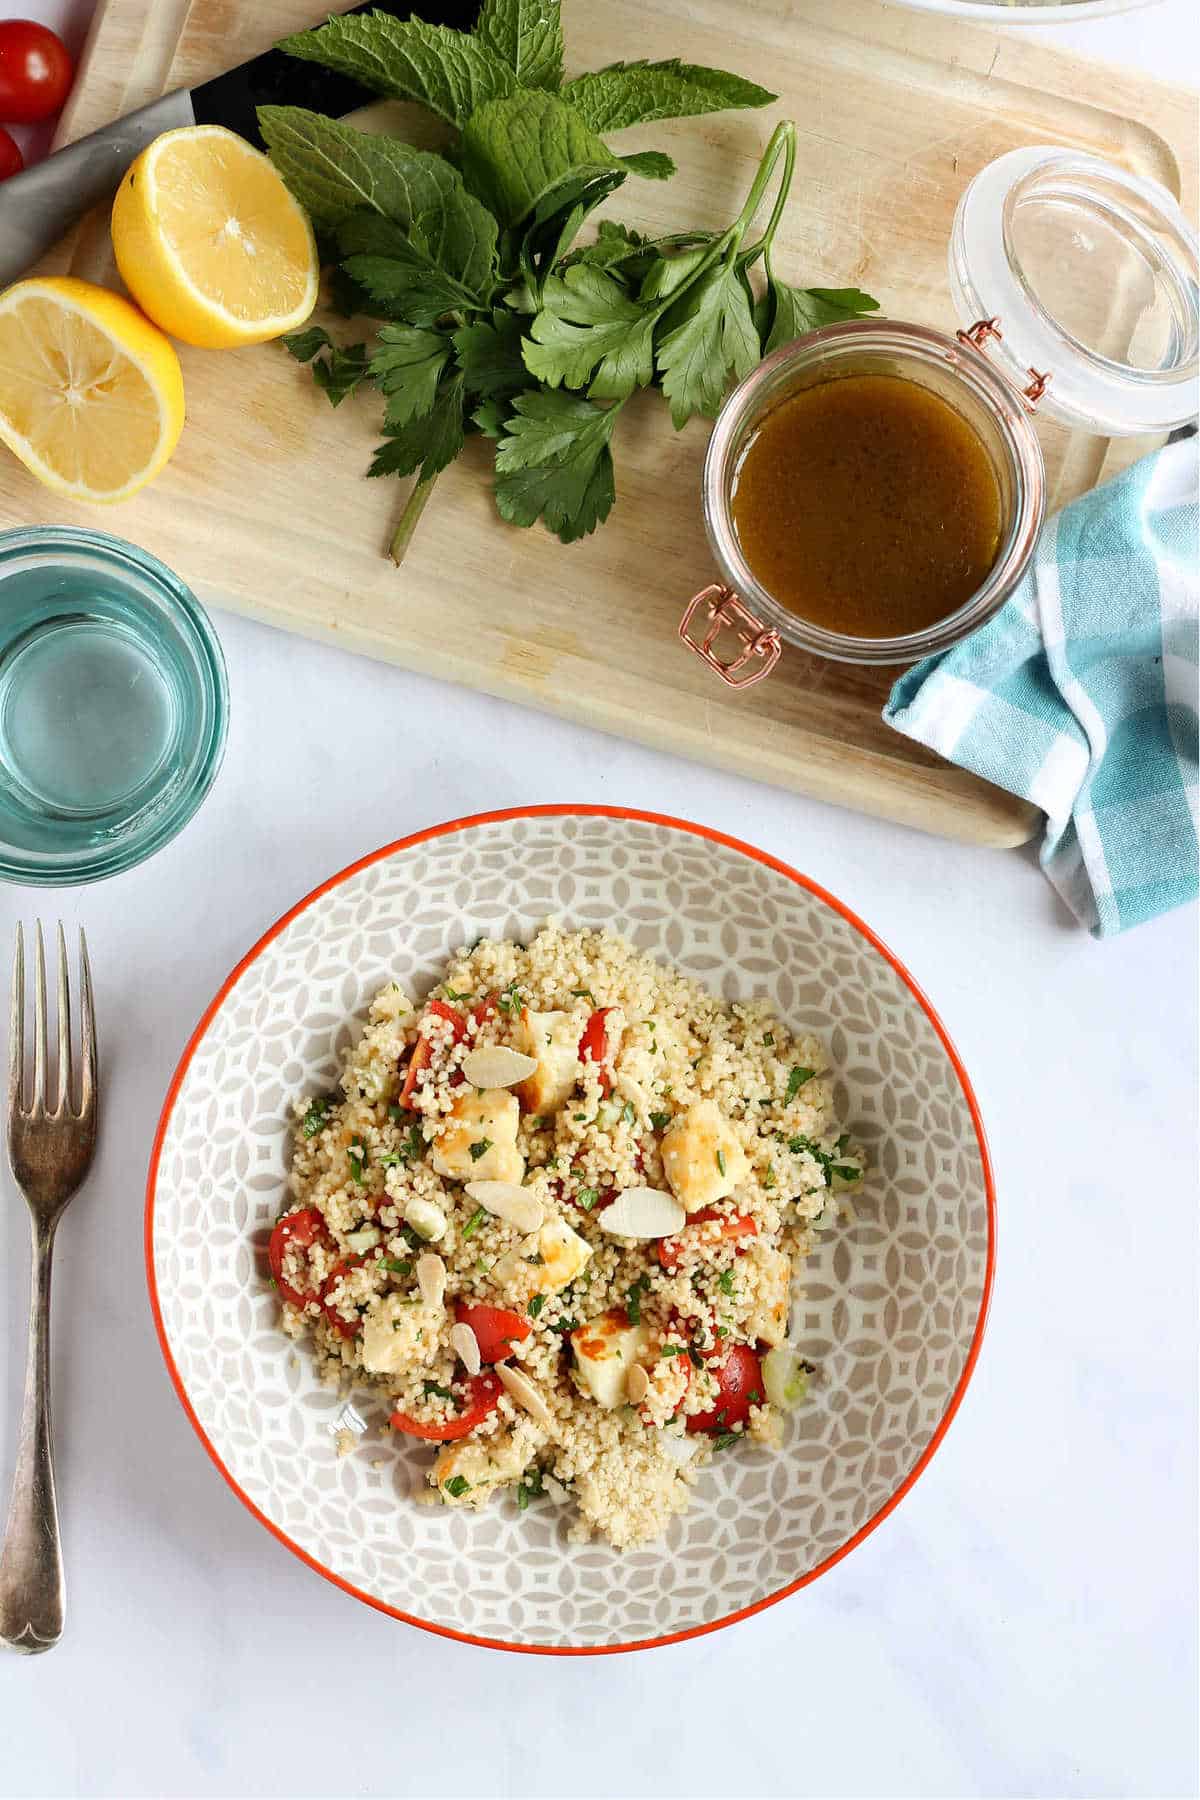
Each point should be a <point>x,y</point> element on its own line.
<point>893,1309</point>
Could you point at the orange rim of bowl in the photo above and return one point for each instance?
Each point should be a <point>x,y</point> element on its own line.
<point>769,862</point>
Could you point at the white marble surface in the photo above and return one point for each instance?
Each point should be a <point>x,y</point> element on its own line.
<point>1024,1624</point>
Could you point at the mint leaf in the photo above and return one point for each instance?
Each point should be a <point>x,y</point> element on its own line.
<point>554,463</point>
<point>651,165</point>
<point>588,320</point>
<point>716,334</point>
<point>429,442</point>
<point>528,35</point>
<point>489,355</point>
<point>407,367</point>
<point>515,151</point>
<point>450,72</point>
<point>635,93</point>
<point>443,261</point>
<point>791,312</point>
<point>334,170</point>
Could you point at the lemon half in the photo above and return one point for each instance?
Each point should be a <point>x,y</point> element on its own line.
<point>210,242</point>
<point>91,393</point>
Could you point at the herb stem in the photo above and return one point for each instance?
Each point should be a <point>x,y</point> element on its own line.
<point>783,137</point>
<point>410,518</point>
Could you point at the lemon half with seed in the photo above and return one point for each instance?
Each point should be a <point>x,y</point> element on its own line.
<point>210,242</point>
<point>91,394</point>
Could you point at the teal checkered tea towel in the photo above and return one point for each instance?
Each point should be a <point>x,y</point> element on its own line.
<point>1081,694</point>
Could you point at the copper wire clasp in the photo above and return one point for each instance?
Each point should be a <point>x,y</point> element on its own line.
<point>978,337</point>
<point>725,612</point>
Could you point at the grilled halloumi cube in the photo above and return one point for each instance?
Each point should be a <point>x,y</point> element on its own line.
<point>489,1119</point>
<point>552,1039</point>
<point>773,1270</point>
<point>563,1253</point>
<point>484,1467</point>
<point>605,1349</point>
<point>398,1331</point>
<point>702,1158</point>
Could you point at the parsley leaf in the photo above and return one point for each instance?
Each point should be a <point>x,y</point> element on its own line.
<point>633,1299</point>
<point>586,1197</point>
<point>317,1116</point>
<point>480,1148</point>
<point>396,1265</point>
<point>536,1304</point>
<point>725,1439</point>
<point>407,368</point>
<point>428,443</point>
<point>796,1081</point>
<point>431,1387</point>
<point>554,463</point>
<point>660,1121</point>
<point>457,1486</point>
<point>715,334</point>
<point>591,332</point>
<point>638,93</point>
<point>474,1222</point>
<point>445,259</point>
<point>792,312</point>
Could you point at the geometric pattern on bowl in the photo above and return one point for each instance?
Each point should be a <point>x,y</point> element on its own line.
<point>893,1305</point>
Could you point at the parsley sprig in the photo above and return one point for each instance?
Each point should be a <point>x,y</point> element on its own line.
<point>493,319</point>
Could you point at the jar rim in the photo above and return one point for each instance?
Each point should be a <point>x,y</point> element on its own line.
<point>922,343</point>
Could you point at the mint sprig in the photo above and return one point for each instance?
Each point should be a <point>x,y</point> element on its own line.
<point>496,318</point>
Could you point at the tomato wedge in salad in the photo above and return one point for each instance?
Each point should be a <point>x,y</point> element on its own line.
<point>483,1397</point>
<point>594,1047</point>
<point>671,1249</point>
<point>496,1328</point>
<point>299,1231</point>
<point>423,1050</point>
<point>739,1387</point>
<point>346,1328</point>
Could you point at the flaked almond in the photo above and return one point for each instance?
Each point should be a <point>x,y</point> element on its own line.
<point>496,1066</point>
<point>465,1345</point>
<point>431,1278</point>
<point>525,1394</point>
<point>515,1205</point>
<point>643,1212</point>
<point>637,1385</point>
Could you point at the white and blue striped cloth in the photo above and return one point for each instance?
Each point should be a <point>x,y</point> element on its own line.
<point>1081,694</point>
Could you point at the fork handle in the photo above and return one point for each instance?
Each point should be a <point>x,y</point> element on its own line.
<point>32,1586</point>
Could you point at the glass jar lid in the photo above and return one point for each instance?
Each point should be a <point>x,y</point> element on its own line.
<point>1084,281</point>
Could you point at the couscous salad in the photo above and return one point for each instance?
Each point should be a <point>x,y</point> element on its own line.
<point>552,1219</point>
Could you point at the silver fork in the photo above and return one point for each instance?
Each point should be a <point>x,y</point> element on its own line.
<point>50,1153</point>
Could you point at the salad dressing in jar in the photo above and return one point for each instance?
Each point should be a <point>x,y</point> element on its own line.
<point>874,491</point>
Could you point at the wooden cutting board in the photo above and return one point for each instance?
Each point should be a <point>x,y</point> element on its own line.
<point>264,507</point>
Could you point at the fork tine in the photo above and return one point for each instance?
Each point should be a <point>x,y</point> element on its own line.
<point>64,1027</point>
<point>39,1021</point>
<point>87,1029</point>
<point>16,1040</point>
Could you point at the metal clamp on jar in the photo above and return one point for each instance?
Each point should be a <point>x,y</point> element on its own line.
<point>1078,285</point>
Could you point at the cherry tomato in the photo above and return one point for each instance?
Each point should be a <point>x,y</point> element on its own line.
<point>11,160</point>
<point>670,1250</point>
<point>343,1326</point>
<point>495,1328</point>
<point>35,72</point>
<point>300,1230</point>
<point>483,1397</point>
<point>739,1387</point>
<point>423,1049</point>
<point>593,1046</point>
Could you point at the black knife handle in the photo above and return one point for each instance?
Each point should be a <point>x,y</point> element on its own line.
<point>275,78</point>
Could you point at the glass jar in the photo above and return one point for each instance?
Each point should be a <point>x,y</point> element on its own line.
<point>1078,285</point>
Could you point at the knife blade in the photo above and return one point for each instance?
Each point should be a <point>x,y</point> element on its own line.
<point>39,205</point>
